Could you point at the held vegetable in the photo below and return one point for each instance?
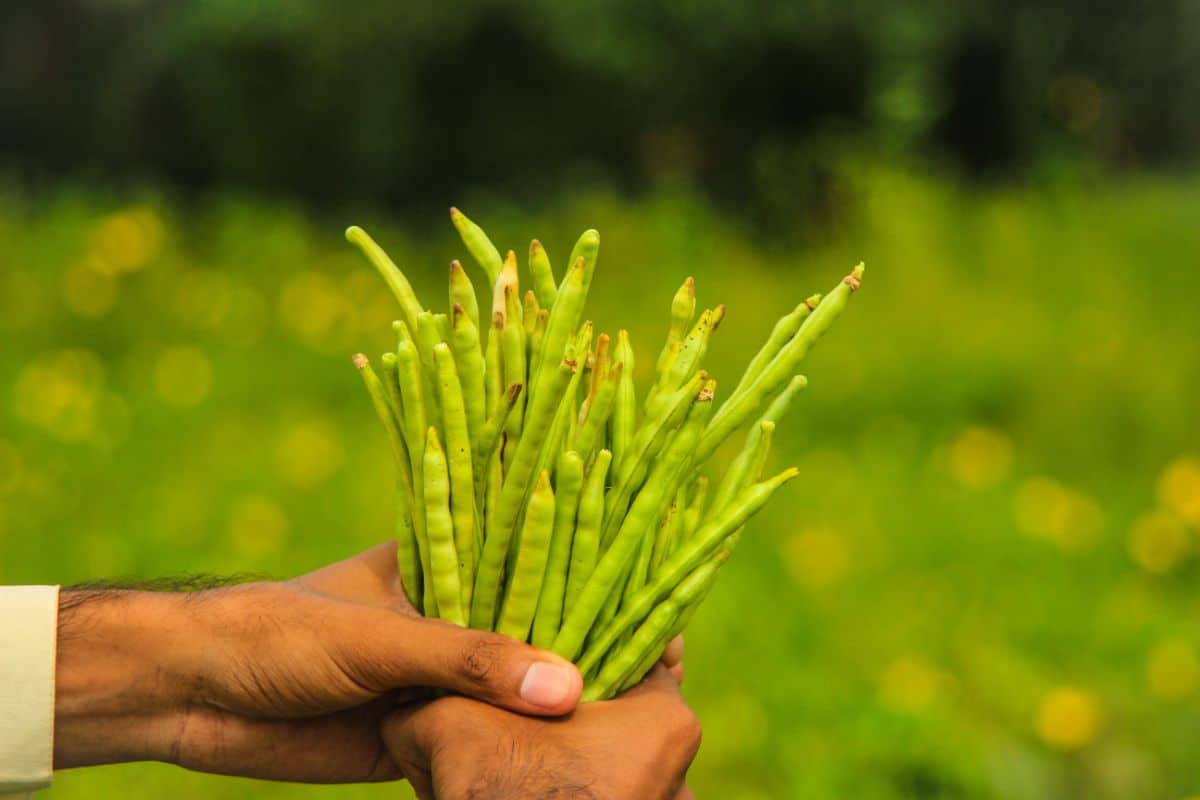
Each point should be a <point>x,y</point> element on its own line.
<point>535,495</point>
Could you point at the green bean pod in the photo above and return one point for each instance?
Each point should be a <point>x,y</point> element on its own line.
<point>640,570</point>
<point>665,535</point>
<point>406,541</point>
<point>738,474</point>
<point>401,289</point>
<point>543,275</point>
<point>590,432</point>
<point>462,293</point>
<point>743,405</point>
<point>493,372</point>
<point>560,329</point>
<point>600,364</point>
<point>478,244</point>
<point>569,478</point>
<point>429,335</point>
<point>695,509</point>
<point>489,436</point>
<point>585,550</point>
<point>683,309</point>
<point>459,458</point>
<point>625,660</point>
<point>538,336</point>
<point>464,341</point>
<point>529,313</point>
<point>687,360</point>
<point>390,381</point>
<point>624,413</point>
<point>508,505</point>
<point>525,585</point>
<point>512,354</point>
<point>687,610</point>
<point>587,248</point>
<point>443,558</point>
<point>615,562</point>
<point>650,439</point>
<point>706,541</point>
<point>408,374</point>
<point>783,331</point>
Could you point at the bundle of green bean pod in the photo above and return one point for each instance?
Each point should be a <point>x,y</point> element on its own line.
<point>535,495</point>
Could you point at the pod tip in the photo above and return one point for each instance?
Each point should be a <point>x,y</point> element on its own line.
<point>388,359</point>
<point>799,381</point>
<point>535,246</point>
<point>514,389</point>
<point>360,361</point>
<point>689,283</point>
<point>854,279</point>
<point>812,301</point>
<point>455,214</point>
<point>766,426</point>
<point>455,266</point>
<point>355,234</point>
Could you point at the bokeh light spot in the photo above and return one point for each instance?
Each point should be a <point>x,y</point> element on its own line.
<point>908,685</point>
<point>980,457</point>
<point>88,293</point>
<point>308,453</point>
<point>1179,488</point>
<point>183,376</point>
<point>817,557</point>
<point>1173,670</point>
<point>1043,508</point>
<point>1158,542</point>
<point>60,392</point>
<point>127,241</point>
<point>1068,718</point>
<point>258,527</point>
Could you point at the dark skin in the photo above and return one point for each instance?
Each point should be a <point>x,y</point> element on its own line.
<point>300,680</point>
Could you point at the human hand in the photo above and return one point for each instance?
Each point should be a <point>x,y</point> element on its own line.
<point>284,681</point>
<point>637,746</point>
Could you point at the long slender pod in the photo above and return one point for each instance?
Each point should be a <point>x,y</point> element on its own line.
<point>493,370</point>
<point>459,459</point>
<point>544,284</point>
<point>489,435</point>
<point>738,473</point>
<point>643,514</point>
<point>665,535</point>
<point>585,550</point>
<point>743,405</point>
<point>478,244</point>
<point>561,328</point>
<point>687,361</point>
<point>569,478</point>
<point>512,494</point>
<point>462,292</point>
<point>468,358</point>
<point>655,632</point>
<point>512,353</point>
<point>705,542</point>
<point>428,335</point>
<point>600,363</point>
<point>695,509</point>
<point>406,539</point>
<point>443,559</point>
<point>624,413</point>
<point>412,394</point>
<point>683,308</point>
<point>586,248</point>
<point>525,584</point>
<point>388,371</point>
<point>590,432</point>
<point>391,274</point>
<point>783,331</point>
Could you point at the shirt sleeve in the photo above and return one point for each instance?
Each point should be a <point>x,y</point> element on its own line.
<point>28,645</point>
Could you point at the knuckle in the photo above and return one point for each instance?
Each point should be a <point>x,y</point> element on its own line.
<point>480,657</point>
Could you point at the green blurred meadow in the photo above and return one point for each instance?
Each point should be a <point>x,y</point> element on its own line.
<point>983,585</point>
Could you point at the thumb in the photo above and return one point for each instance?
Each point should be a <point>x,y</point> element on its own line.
<point>488,666</point>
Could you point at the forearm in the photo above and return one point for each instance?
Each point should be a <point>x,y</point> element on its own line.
<point>123,680</point>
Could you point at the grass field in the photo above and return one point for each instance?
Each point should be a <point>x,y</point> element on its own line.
<point>984,585</point>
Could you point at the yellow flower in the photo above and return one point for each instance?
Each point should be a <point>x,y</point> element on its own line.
<point>1179,488</point>
<point>1158,542</point>
<point>1068,718</point>
<point>1173,670</point>
<point>980,457</point>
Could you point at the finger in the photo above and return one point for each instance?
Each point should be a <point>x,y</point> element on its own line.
<point>658,683</point>
<point>369,577</point>
<point>674,653</point>
<point>408,741</point>
<point>487,666</point>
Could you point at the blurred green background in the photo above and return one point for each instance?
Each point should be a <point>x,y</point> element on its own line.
<point>984,584</point>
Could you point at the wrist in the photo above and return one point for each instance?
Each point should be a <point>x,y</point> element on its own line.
<point>123,679</point>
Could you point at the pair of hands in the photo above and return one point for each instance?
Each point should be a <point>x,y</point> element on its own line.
<point>323,679</point>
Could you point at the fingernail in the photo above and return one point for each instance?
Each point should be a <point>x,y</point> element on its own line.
<point>547,685</point>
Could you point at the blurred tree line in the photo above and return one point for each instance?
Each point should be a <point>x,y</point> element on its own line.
<point>385,102</point>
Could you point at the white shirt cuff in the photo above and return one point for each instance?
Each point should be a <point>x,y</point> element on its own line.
<point>28,645</point>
